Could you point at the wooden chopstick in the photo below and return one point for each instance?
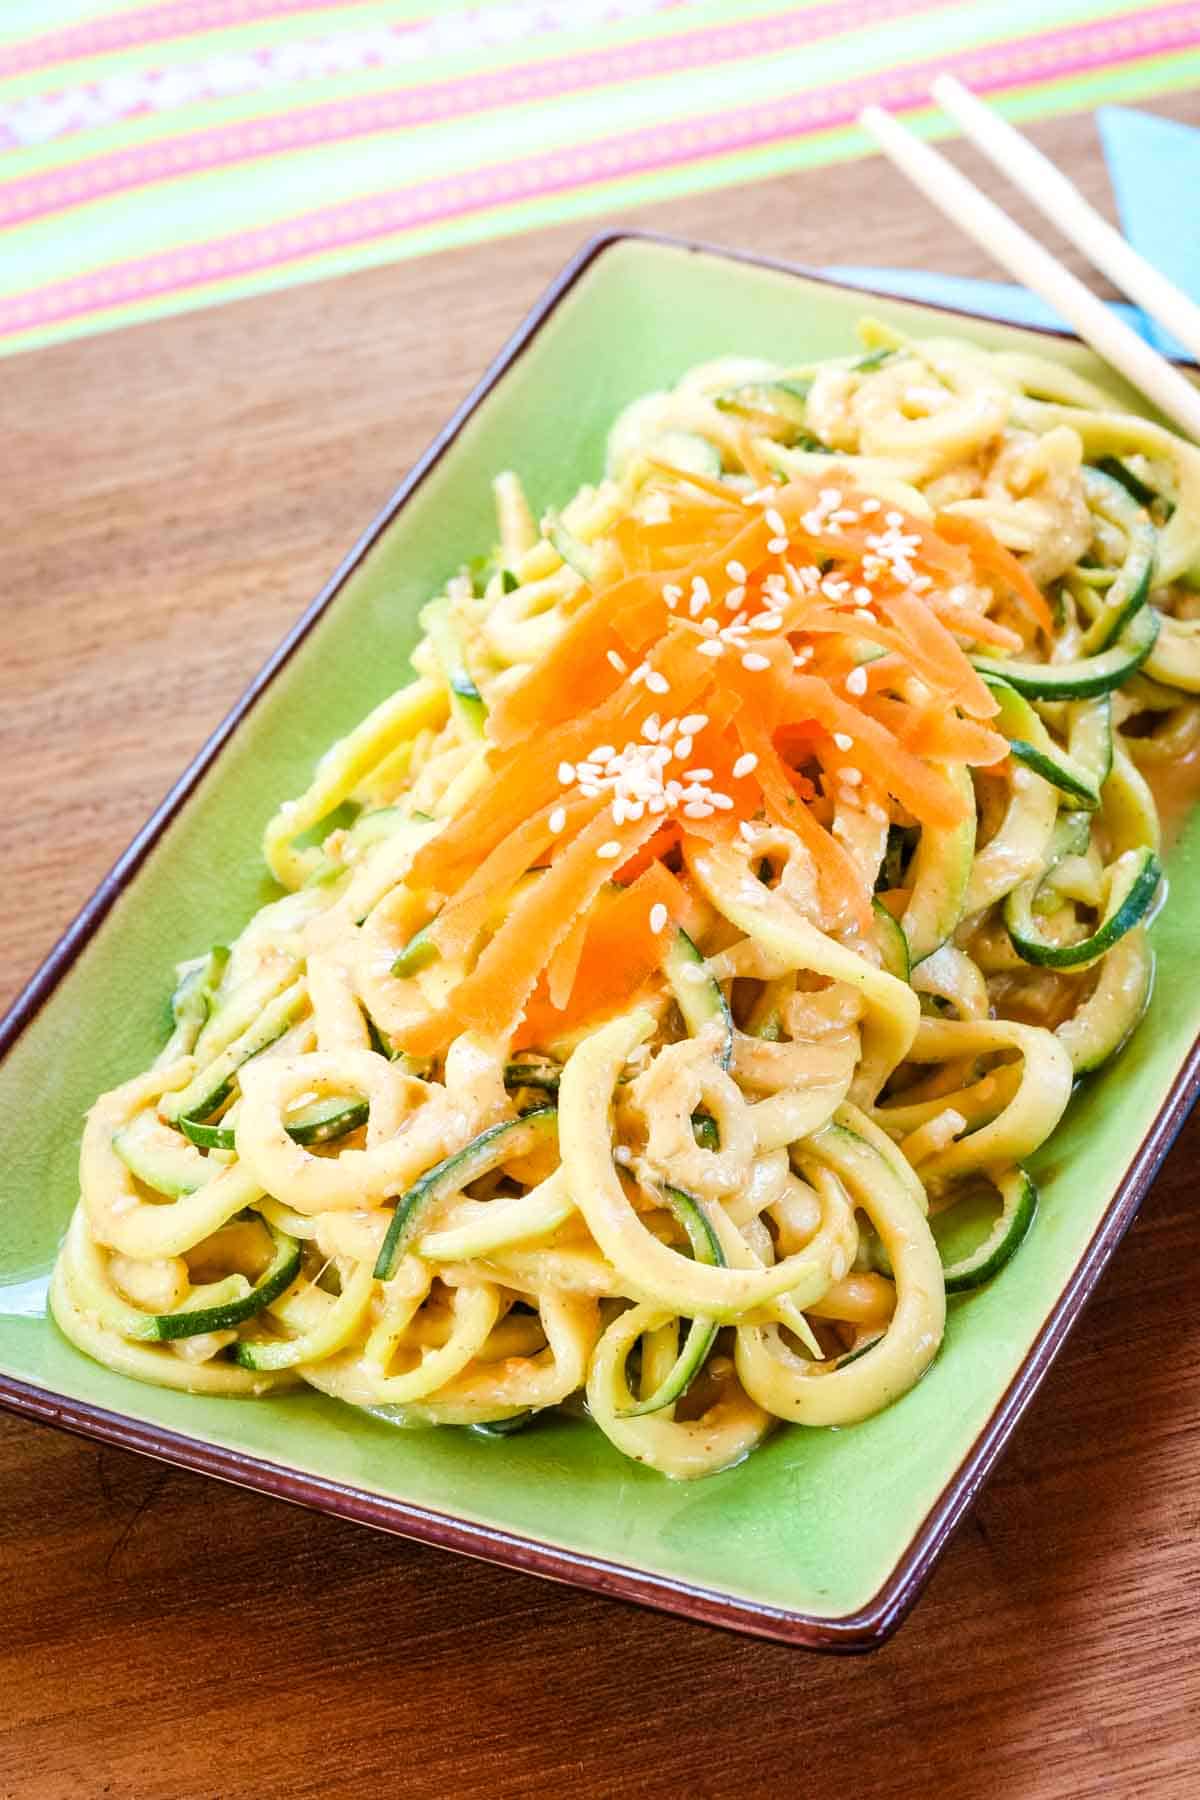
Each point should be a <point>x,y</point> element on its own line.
<point>1033,265</point>
<point>1063,204</point>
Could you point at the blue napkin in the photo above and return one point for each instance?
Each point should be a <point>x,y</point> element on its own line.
<point>1140,149</point>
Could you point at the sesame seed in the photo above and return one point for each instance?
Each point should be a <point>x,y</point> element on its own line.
<point>868,618</point>
<point>566,774</point>
<point>683,746</point>
<point>863,596</point>
<point>558,819</point>
<point>774,519</point>
<point>691,723</point>
<point>709,627</point>
<point>777,545</point>
<point>711,647</point>
<point>697,809</point>
<point>618,662</point>
<point>851,777</point>
<point>869,506</point>
<point>672,595</point>
<point>640,673</point>
<point>856,682</point>
<point>698,774</point>
<point>722,801</point>
<point>745,765</point>
<point>657,684</point>
<point>658,917</point>
<point>734,598</point>
<point>747,831</point>
<point>921,583</point>
<point>608,851</point>
<point>651,728</point>
<point>589,790</point>
<point>617,809</point>
<point>842,741</point>
<point>656,804</point>
<point>736,571</point>
<point>802,657</point>
<point>754,662</point>
<point>670,728</point>
<point>893,518</point>
<point>701,595</point>
<point>600,754</point>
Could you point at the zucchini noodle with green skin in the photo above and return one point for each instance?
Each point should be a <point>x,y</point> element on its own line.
<point>766,845</point>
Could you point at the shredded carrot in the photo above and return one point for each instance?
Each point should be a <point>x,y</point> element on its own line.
<point>493,995</point>
<point>620,948</point>
<point>996,564</point>
<point>720,671</point>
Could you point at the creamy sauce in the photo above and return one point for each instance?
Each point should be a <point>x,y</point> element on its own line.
<point>1176,789</point>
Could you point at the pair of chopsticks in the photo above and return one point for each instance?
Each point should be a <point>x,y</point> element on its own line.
<point>1032,264</point>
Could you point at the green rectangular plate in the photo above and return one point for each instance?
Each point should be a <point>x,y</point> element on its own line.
<point>821,1538</point>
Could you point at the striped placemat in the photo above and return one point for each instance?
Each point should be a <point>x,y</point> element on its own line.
<point>172,155</point>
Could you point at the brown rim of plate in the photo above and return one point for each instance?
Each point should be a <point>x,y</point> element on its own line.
<point>871,1625</point>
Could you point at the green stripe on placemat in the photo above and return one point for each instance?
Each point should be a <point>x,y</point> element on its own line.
<point>177,153</point>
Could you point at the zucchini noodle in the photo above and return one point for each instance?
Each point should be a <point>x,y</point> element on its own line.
<point>766,845</point>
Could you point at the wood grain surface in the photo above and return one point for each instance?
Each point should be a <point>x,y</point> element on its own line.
<point>173,495</point>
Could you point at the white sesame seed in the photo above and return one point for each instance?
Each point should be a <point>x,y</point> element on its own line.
<point>600,754</point>
<point>656,804</point>
<point>851,777</point>
<point>588,771</point>
<point>697,809</point>
<point>617,809</point>
<point>734,598</point>
<point>651,728</point>
<point>711,647</point>
<point>868,618</point>
<point>709,627</point>
<point>589,789</point>
<point>754,662</point>
<point>701,595</point>
<point>640,673</point>
<point>722,801</point>
<point>745,765</point>
<point>670,728</point>
<point>893,518</point>
<point>566,774</point>
<point>856,682</point>
<point>802,657</point>
<point>774,519</point>
<point>558,819</point>
<point>683,746</point>
<point>777,545</point>
<point>736,571</point>
<point>842,741</point>
<point>747,831</point>
<point>608,851</point>
<point>658,917</point>
<point>634,809</point>
<point>672,595</point>
<point>618,662</point>
<point>657,684</point>
<point>691,723</point>
<point>698,774</point>
<point>863,596</point>
<point>921,583</point>
<point>870,506</point>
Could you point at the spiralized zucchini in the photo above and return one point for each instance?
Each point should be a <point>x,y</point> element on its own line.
<point>765,846</point>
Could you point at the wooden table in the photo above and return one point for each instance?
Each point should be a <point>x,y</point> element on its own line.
<point>173,495</point>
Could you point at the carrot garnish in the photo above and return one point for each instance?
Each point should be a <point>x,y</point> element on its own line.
<point>997,565</point>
